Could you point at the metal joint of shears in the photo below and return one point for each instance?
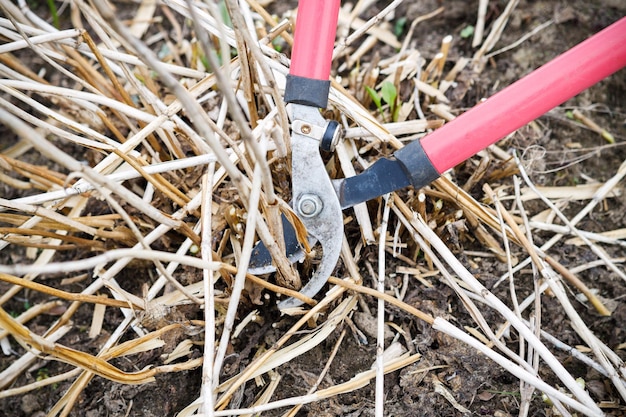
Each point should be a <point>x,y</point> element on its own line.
<point>314,198</point>
<point>318,201</point>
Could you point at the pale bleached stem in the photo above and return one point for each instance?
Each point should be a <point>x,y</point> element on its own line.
<point>240,277</point>
<point>208,382</point>
<point>380,319</point>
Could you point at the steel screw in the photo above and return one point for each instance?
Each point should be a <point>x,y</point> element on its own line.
<point>310,205</point>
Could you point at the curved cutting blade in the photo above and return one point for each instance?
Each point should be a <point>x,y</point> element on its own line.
<point>314,198</point>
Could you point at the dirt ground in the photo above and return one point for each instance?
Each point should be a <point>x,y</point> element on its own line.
<point>476,383</point>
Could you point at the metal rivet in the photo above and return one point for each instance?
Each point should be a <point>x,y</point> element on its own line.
<point>305,129</point>
<point>310,205</point>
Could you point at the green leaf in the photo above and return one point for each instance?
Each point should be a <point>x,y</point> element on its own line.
<point>224,14</point>
<point>398,27</point>
<point>395,113</point>
<point>375,97</point>
<point>467,31</point>
<point>389,93</point>
<point>55,14</point>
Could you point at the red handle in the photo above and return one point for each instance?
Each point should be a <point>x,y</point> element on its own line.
<point>525,100</point>
<point>316,27</point>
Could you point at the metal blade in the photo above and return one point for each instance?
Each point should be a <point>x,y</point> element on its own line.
<point>261,260</point>
<point>314,198</point>
<point>382,177</point>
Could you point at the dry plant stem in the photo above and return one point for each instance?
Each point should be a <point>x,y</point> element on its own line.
<point>37,50</point>
<point>509,263</point>
<point>576,282</point>
<point>66,295</point>
<point>72,356</point>
<point>446,327</point>
<point>357,382</point>
<point>31,42</point>
<point>287,275</point>
<point>112,255</point>
<point>161,281</point>
<point>240,27</point>
<point>119,177</point>
<point>135,230</point>
<point>360,210</point>
<point>56,379</point>
<point>567,274</point>
<point>468,203</point>
<point>577,323</point>
<point>322,375</point>
<point>99,141</point>
<point>269,19</point>
<point>364,28</point>
<point>271,287</point>
<point>593,126</point>
<point>536,316</point>
<point>44,213</point>
<point>349,261</point>
<point>240,278</point>
<point>594,264</point>
<point>414,23</point>
<point>525,390</point>
<point>564,230</point>
<point>115,88</point>
<point>350,285</point>
<point>521,40</point>
<point>575,353</point>
<point>396,128</point>
<point>109,351</point>
<point>33,17</point>
<point>226,89</point>
<point>496,31</point>
<point>445,49</point>
<point>497,304</point>
<point>14,11</point>
<point>81,98</point>
<point>251,369</point>
<point>193,108</point>
<point>600,195</point>
<point>208,383</point>
<point>44,257</point>
<point>111,53</point>
<point>156,180</point>
<point>380,321</point>
<point>268,392</point>
<point>273,239</point>
<point>67,401</point>
<point>31,313</point>
<point>465,296</point>
<point>480,23</point>
<point>27,359</point>
<point>49,150</point>
<point>594,248</point>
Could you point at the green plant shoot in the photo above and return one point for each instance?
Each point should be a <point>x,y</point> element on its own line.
<point>389,95</point>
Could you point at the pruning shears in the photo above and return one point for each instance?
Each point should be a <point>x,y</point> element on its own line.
<point>318,201</point>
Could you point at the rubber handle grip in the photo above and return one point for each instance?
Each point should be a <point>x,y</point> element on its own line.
<point>316,28</point>
<point>545,88</point>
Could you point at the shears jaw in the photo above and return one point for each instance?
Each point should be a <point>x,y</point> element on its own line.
<point>314,198</point>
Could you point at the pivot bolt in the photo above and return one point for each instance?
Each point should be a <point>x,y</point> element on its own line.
<point>310,205</point>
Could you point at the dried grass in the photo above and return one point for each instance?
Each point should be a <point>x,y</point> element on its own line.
<point>186,152</point>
